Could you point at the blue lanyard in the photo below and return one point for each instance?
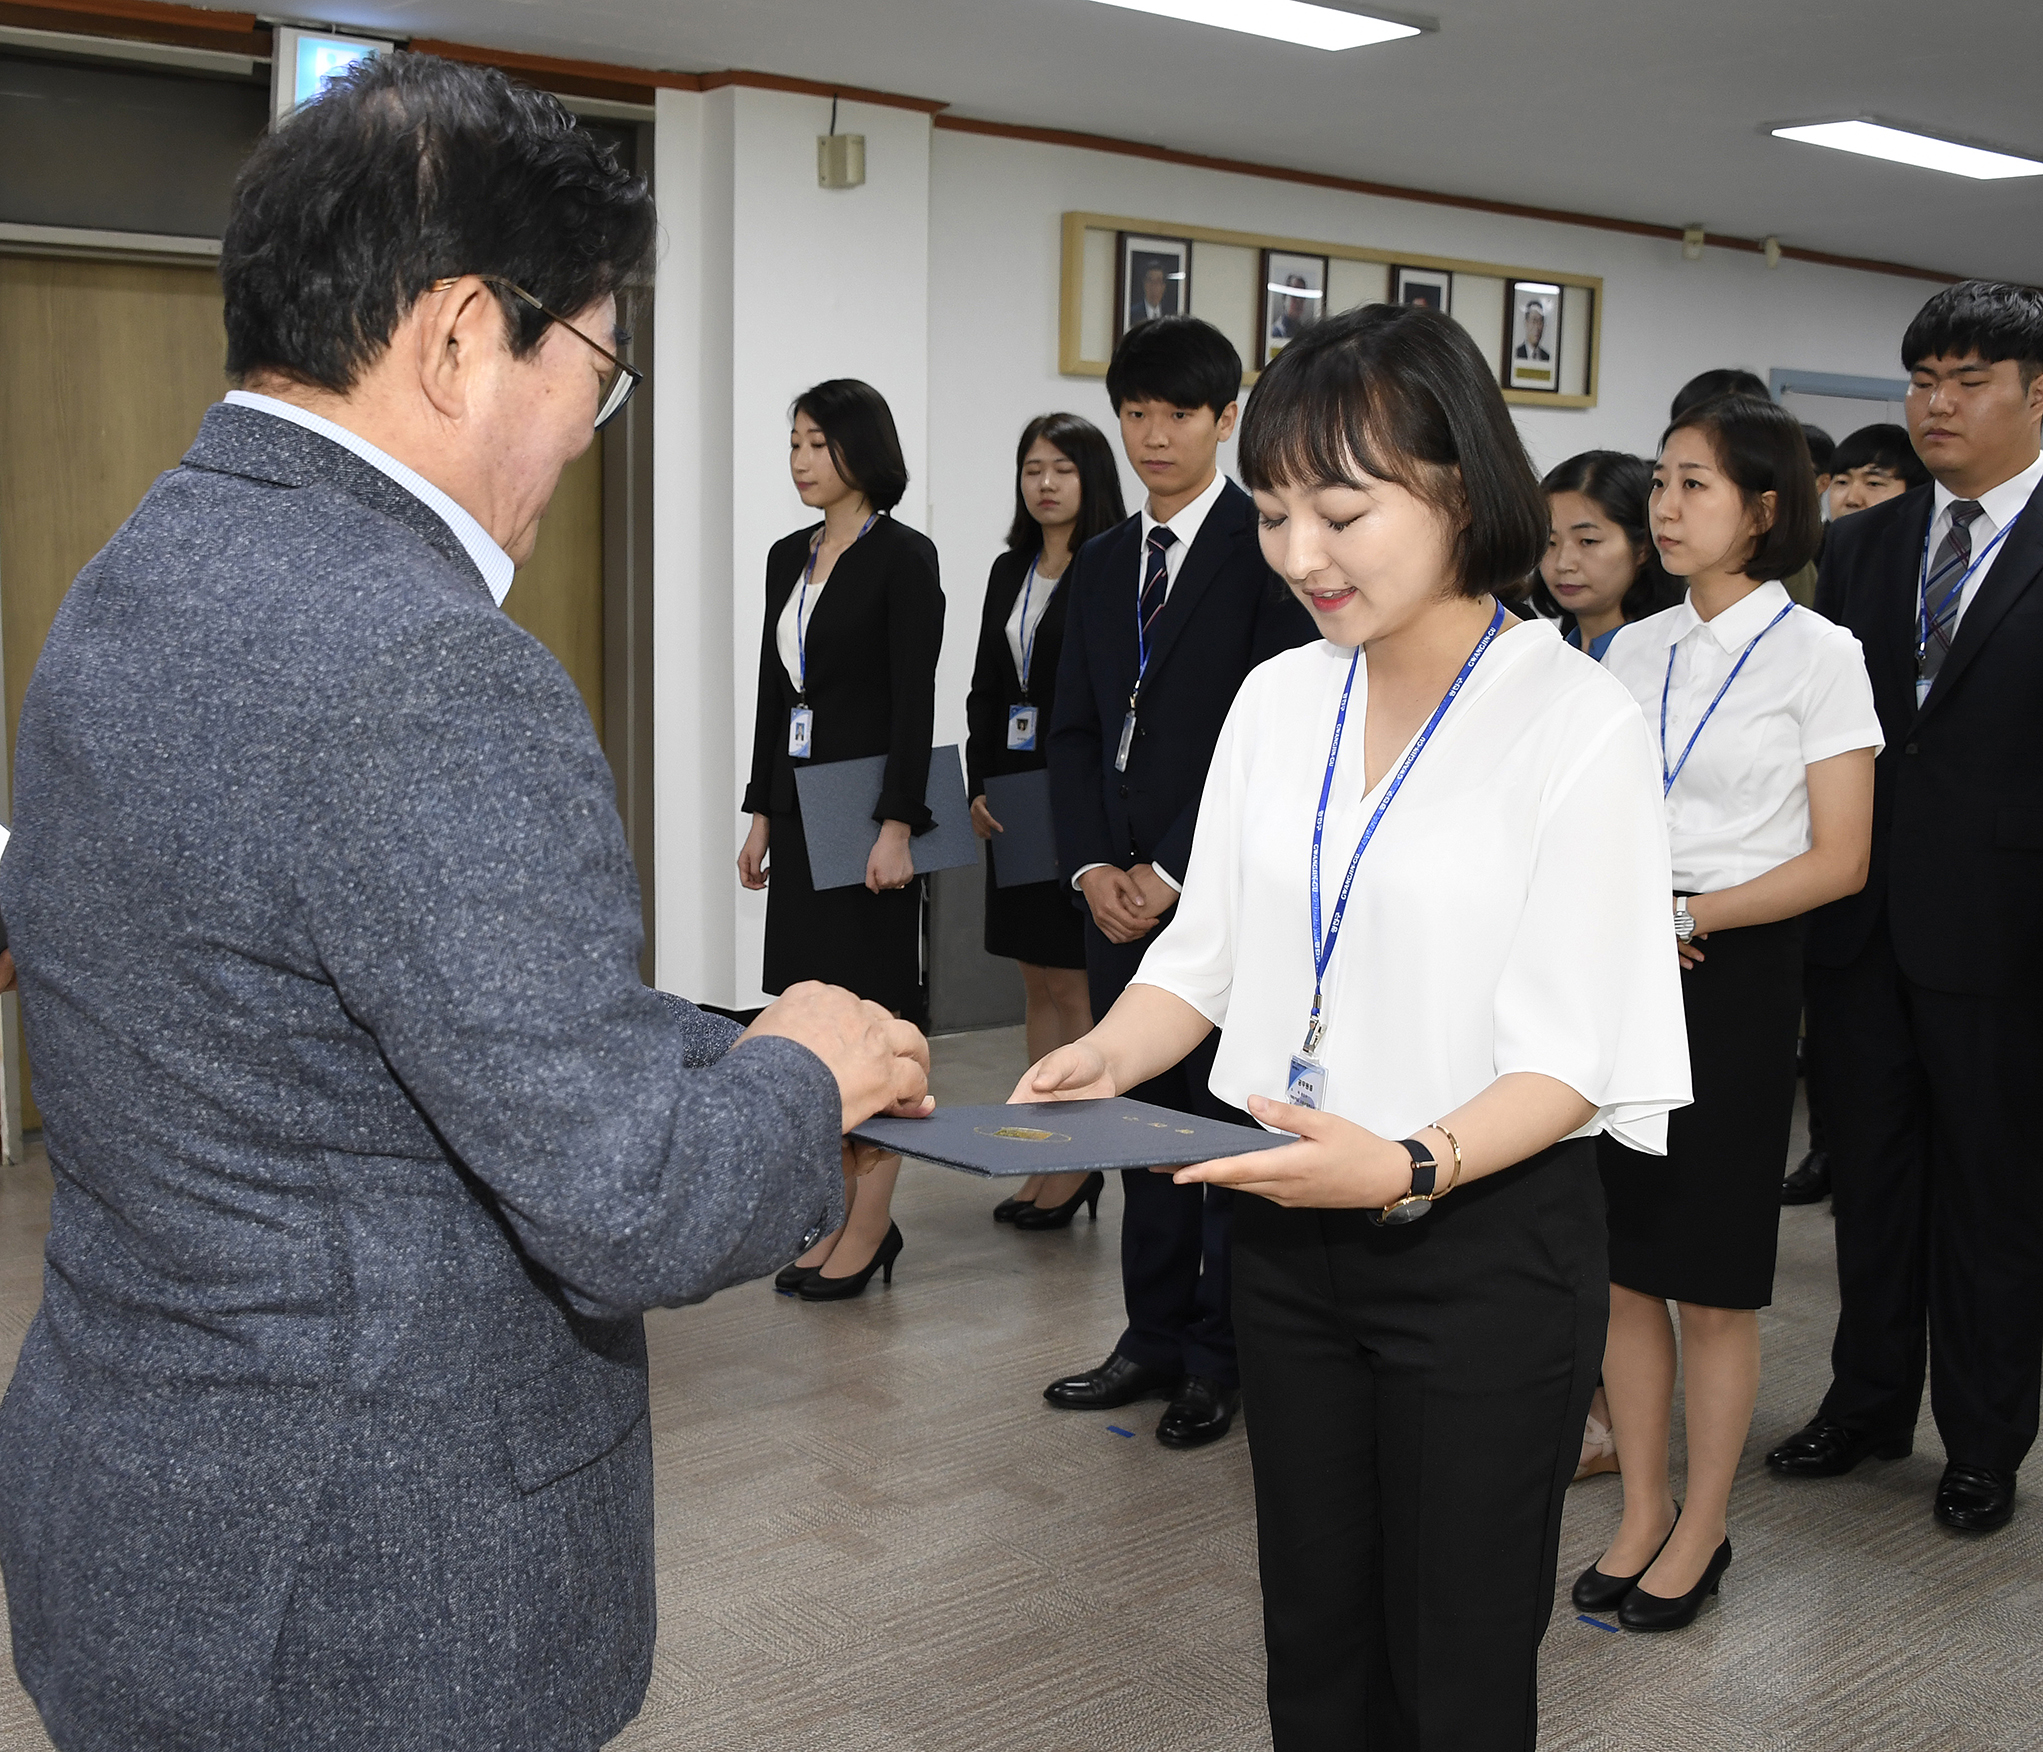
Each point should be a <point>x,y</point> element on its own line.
<point>1667,778</point>
<point>1028,639</point>
<point>801,624</point>
<point>1141,631</point>
<point>1928,618</point>
<point>1323,948</point>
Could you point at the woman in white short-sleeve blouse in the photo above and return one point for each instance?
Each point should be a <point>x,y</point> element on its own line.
<point>1420,1283</point>
<point>1765,734</point>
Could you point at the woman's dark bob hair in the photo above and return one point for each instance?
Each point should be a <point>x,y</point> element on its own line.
<point>1399,393</point>
<point>1760,447</point>
<point>1619,485</point>
<point>858,426</point>
<point>1099,480</point>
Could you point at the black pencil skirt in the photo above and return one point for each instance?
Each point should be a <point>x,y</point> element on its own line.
<point>869,943</point>
<point>1702,1223</point>
<point>1034,922</point>
<point>1414,1399</point>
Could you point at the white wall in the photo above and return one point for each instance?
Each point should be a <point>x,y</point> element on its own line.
<point>995,252</point>
<point>780,285</point>
<point>938,281</point>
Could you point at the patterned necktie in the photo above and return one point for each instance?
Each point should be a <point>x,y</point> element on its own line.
<point>1155,574</point>
<point>1954,554</point>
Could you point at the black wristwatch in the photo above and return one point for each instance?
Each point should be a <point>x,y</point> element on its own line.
<point>1416,1203</point>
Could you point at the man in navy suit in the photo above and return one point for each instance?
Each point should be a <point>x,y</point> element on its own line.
<point>1168,612</point>
<point>1924,1013</point>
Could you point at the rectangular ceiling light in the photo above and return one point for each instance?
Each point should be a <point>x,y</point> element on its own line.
<point>1289,21</point>
<point>1875,140</point>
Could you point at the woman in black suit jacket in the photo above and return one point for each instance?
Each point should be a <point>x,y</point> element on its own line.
<point>1066,490</point>
<point>845,673</point>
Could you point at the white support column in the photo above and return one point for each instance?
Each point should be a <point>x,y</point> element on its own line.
<point>768,283</point>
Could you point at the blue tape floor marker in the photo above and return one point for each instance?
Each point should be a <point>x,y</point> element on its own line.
<point>1584,1618</point>
<point>1116,1430</point>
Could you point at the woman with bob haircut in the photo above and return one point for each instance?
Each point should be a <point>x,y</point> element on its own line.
<point>847,670</point>
<point>1766,729</point>
<point>1600,568</point>
<point>1402,827</point>
<point>1067,490</point>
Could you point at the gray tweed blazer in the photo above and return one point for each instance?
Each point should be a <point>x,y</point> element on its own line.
<point>369,1146</point>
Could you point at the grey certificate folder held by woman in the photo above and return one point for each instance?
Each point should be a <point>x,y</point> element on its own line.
<point>1073,1137</point>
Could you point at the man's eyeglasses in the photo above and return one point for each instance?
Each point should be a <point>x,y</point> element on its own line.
<point>618,381</point>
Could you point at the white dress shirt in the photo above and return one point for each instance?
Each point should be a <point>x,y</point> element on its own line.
<point>496,566</point>
<point>1741,804</point>
<point>1997,509</point>
<point>789,632</point>
<point>1035,598</point>
<point>1509,915</point>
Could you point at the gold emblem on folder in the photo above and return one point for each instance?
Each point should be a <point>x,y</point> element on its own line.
<point>1021,1134</point>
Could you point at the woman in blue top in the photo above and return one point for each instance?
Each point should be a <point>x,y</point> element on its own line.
<point>1600,569</point>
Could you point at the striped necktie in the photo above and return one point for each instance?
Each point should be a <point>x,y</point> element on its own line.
<point>1941,597</point>
<point>1155,574</point>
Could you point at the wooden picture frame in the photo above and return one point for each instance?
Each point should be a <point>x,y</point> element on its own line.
<point>1152,277</point>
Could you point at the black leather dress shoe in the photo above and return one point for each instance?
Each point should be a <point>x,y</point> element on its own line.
<point>1975,1499</point>
<point>1823,1448</point>
<point>1809,1183</point>
<point>1202,1412</point>
<point>1644,1611</point>
<point>1117,1381</point>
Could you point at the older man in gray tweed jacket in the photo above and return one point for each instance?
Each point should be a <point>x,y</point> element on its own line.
<point>368,1144</point>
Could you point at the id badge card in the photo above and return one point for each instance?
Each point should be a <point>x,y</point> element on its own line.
<point>1021,728</point>
<point>1127,742</point>
<point>1306,1085</point>
<point>801,724</point>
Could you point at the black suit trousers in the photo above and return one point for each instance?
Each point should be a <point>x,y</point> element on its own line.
<point>1176,1241</point>
<point>1938,1179</point>
<point>1414,1401</point>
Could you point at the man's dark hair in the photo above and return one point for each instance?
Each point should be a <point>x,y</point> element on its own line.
<point>1619,485</point>
<point>1708,385</point>
<point>1821,447</point>
<point>1175,359</point>
<point>1099,480</point>
<point>1990,318</point>
<point>408,170</point>
<point>1398,392</point>
<point>858,426</point>
<point>1885,447</point>
<point>1760,447</point>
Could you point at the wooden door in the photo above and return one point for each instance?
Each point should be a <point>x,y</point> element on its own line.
<point>106,369</point>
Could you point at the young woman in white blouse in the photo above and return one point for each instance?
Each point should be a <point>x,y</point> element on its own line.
<point>1419,1281</point>
<point>1766,730</point>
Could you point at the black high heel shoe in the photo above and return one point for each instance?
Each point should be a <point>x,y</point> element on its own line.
<point>790,1278</point>
<point>1596,1592</point>
<point>1644,1611</point>
<point>1059,1216</point>
<point>828,1289</point>
<point>1010,1208</point>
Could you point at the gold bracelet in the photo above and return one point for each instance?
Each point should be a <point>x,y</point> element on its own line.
<point>1455,1144</point>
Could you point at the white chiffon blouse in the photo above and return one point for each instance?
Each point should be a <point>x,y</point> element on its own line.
<point>1511,913</point>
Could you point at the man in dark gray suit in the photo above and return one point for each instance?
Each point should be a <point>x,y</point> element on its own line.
<point>369,1146</point>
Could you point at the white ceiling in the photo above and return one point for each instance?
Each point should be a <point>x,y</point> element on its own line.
<point>1653,110</point>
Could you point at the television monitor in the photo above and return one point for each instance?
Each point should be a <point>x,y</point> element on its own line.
<point>303,61</point>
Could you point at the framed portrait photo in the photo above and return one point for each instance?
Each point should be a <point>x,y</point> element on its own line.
<point>1432,287</point>
<point>1532,335</point>
<point>1294,297</point>
<point>1154,279</point>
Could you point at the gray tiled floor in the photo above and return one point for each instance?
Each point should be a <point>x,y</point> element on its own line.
<point>874,1537</point>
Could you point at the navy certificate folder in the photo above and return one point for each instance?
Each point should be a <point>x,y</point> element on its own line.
<point>1025,850</point>
<point>838,800</point>
<point>1064,1137</point>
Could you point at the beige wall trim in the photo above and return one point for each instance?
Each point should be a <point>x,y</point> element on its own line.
<point>107,246</point>
<point>1071,361</point>
<point>101,48</point>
